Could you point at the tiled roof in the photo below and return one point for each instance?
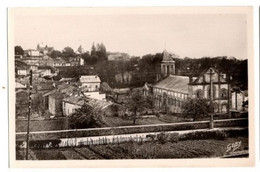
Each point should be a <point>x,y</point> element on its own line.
<point>19,85</point>
<point>80,100</point>
<point>58,95</point>
<point>90,78</point>
<point>174,83</point>
<point>45,67</point>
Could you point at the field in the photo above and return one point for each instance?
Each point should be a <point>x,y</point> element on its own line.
<point>148,150</point>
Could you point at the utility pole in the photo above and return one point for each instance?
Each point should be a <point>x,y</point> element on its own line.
<point>29,114</point>
<point>211,123</point>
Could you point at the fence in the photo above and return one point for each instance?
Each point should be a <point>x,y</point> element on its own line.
<point>243,122</point>
<point>172,136</point>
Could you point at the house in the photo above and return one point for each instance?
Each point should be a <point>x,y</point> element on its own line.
<point>18,56</point>
<point>239,99</point>
<point>90,82</point>
<point>76,61</point>
<point>45,50</point>
<point>62,89</point>
<point>34,53</point>
<point>92,94</point>
<point>20,86</point>
<point>43,87</point>
<point>118,57</point>
<point>55,103</point>
<point>73,102</point>
<point>33,68</point>
<point>45,70</point>
<point>22,70</point>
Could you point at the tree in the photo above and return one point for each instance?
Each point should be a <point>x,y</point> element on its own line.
<point>18,50</point>
<point>93,50</point>
<point>85,117</point>
<point>55,53</point>
<point>136,103</point>
<point>195,107</point>
<point>68,52</point>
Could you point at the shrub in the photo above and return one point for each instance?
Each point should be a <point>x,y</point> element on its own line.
<point>221,135</point>
<point>44,143</point>
<point>162,138</point>
<point>174,137</point>
<point>202,135</point>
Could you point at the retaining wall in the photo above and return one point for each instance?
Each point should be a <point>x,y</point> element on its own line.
<point>243,122</point>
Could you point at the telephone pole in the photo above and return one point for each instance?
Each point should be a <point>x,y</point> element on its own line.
<point>211,123</point>
<point>29,114</point>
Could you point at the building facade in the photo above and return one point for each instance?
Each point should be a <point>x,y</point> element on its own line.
<point>170,92</point>
<point>90,82</point>
<point>212,85</point>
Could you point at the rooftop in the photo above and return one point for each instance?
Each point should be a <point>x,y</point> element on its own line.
<point>90,78</point>
<point>174,83</point>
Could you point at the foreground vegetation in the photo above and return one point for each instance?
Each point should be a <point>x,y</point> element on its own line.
<point>209,148</point>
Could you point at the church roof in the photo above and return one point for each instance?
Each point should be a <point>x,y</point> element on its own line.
<point>167,57</point>
<point>174,83</point>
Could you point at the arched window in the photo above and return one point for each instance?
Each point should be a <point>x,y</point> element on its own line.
<point>216,108</point>
<point>223,93</point>
<point>199,93</point>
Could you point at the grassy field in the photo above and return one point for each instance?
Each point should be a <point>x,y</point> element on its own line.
<point>147,150</point>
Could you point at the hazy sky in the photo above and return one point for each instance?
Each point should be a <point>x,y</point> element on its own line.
<point>191,35</point>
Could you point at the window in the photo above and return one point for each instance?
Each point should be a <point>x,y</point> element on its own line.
<point>223,93</point>
<point>199,93</point>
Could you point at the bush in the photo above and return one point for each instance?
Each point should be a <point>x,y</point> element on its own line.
<point>204,135</point>
<point>221,135</point>
<point>44,143</point>
<point>162,138</point>
<point>174,137</point>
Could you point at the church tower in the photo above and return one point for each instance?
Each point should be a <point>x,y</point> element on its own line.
<point>167,65</point>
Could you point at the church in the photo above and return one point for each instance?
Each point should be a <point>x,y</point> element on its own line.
<point>172,90</point>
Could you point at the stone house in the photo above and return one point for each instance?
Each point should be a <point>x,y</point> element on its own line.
<point>90,82</point>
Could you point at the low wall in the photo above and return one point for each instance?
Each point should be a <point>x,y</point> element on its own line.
<point>131,129</point>
<point>42,125</point>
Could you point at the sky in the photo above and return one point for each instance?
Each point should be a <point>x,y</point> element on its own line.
<point>187,35</point>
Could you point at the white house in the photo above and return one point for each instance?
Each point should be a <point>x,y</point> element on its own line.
<point>90,82</point>
<point>45,70</point>
<point>76,101</point>
<point>33,53</point>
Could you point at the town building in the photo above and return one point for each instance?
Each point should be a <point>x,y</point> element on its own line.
<point>90,82</point>
<point>172,90</point>
<point>33,53</point>
<point>45,50</point>
<point>76,61</point>
<point>239,100</point>
<point>118,57</point>
<point>73,102</point>
<point>212,85</point>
